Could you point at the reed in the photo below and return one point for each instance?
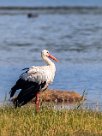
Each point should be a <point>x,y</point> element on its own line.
<point>49,122</point>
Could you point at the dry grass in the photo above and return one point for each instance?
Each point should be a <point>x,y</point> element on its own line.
<point>49,122</point>
<point>60,96</point>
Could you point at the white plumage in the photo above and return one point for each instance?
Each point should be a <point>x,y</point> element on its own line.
<point>40,74</point>
<point>35,79</point>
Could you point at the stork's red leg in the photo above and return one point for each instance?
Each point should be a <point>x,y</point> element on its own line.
<point>37,102</point>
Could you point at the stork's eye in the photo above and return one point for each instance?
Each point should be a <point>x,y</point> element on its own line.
<point>47,52</point>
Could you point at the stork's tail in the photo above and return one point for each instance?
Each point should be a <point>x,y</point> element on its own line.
<point>18,85</point>
<point>12,92</point>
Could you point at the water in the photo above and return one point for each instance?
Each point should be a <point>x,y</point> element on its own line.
<point>51,3</point>
<point>75,39</point>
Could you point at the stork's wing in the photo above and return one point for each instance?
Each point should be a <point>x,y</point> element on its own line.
<point>36,74</point>
<point>34,77</point>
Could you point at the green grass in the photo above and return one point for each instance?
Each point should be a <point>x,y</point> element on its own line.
<point>49,122</point>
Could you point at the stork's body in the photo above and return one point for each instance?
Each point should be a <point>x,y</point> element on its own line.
<point>33,80</point>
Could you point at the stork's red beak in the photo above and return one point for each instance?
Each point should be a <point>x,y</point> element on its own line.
<point>52,57</point>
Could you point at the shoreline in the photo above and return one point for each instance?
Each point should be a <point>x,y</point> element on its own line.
<point>50,9</point>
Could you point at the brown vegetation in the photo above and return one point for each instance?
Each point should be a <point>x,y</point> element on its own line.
<point>60,96</point>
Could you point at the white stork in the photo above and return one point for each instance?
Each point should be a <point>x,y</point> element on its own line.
<point>34,80</point>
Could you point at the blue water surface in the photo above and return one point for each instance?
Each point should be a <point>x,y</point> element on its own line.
<point>50,3</point>
<point>75,39</point>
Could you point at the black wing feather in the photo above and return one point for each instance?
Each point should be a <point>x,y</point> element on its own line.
<point>28,91</point>
<point>25,69</point>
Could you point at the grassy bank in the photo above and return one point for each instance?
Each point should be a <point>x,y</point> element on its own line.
<point>48,122</point>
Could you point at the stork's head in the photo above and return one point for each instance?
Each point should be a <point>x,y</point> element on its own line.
<point>45,53</point>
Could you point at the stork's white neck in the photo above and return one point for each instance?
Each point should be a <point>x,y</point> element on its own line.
<point>51,68</point>
<point>48,61</point>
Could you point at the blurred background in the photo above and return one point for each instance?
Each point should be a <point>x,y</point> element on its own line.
<point>70,29</point>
